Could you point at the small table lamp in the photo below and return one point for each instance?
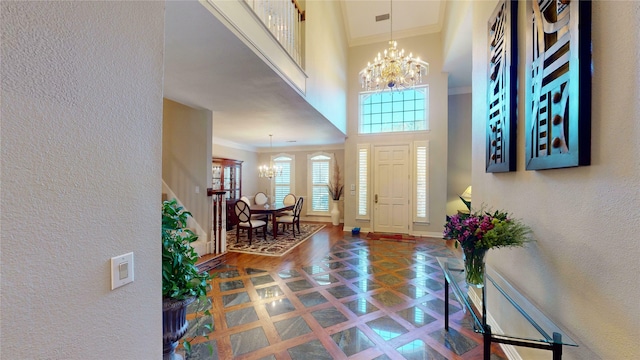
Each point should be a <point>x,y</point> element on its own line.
<point>466,197</point>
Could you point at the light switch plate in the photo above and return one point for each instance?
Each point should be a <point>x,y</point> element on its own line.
<point>121,270</point>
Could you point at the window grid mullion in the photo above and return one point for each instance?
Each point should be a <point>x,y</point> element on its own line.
<point>404,110</point>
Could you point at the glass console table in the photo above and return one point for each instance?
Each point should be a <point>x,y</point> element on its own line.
<point>537,330</point>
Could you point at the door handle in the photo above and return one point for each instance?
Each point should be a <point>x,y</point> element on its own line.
<point>376,198</point>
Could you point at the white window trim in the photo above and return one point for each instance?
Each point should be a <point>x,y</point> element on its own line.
<point>416,146</point>
<point>292,179</point>
<point>309,196</point>
<point>367,211</point>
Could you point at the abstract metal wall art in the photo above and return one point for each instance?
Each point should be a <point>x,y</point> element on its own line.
<point>502,88</point>
<point>558,87</point>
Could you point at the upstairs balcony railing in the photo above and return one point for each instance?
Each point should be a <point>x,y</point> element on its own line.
<point>284,19</point>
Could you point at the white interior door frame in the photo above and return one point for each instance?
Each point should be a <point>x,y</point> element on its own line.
<point>391,188</point>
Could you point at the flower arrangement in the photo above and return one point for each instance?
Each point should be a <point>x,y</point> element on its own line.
<point>485,230</point>
<point>335,185</point>
<point>480,231</point>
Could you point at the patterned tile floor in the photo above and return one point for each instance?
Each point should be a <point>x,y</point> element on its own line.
<point>366,299</point>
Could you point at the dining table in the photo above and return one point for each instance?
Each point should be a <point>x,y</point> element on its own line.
<point>272,210</point>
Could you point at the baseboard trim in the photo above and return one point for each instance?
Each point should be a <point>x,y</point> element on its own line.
<point>362,230</point>
<point>433,234</point>
<point>509,350</point>
<point>437,235</point>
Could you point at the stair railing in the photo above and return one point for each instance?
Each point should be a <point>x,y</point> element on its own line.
<point>285,20</point>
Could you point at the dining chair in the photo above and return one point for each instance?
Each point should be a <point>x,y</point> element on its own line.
<point>289,199</point>
<point>260,198</point>
<point>243,212</point>
<point>293,220</point>
<point>264,217</point>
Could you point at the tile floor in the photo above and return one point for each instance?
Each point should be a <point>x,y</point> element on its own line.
<point>366,299</point>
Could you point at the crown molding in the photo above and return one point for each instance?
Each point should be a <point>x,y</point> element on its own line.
<point>397,35</point>
<point>233,145</point>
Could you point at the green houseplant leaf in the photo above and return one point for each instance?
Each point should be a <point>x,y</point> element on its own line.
<point>180,276</point>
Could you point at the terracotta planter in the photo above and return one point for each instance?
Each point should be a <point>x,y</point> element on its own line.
<point>174,326</point>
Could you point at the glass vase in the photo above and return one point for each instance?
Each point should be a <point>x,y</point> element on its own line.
<point>474,267</point>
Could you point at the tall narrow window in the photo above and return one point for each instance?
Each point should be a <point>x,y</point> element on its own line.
<point>421,151</point>
<point>363,181</point>
<point>319,168</point>
<point>284,183</point>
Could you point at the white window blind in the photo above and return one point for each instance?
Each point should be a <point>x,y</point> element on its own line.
<point>283,184</point>
<point>421,151</point>
<point>363,181</point>
<point>320,167</point>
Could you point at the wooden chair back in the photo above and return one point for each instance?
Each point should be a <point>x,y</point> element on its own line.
<point>297,209</point>
<point>243,212</point>
<point>290,199</point>
<point>260,198</point>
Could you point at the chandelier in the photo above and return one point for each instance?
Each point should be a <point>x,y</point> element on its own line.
<point>393,69</point>
<point>271,170</point>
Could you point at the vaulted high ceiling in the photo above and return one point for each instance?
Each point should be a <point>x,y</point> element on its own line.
<point>409,18</point>
<point>207,66</point>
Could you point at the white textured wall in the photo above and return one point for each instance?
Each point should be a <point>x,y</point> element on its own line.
<point>326,61</point>
<point>459,155</point>
<point>81,141</point>
<point>583,269</point>
<point>456,43</point>
<point>186,159</point>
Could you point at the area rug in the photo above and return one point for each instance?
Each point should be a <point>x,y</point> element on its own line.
<point>282,245</point>
<point>391,237</point>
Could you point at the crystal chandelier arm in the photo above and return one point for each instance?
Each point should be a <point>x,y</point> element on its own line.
<point>394,69</point>
<point>271,170</point>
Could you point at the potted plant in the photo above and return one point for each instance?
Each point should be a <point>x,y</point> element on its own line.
<point>182,283</point>
<point>335,191</point>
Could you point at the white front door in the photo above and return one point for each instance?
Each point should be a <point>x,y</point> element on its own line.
<point>391,189</point>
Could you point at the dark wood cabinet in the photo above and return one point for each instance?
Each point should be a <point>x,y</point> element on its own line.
<point>232,219</point>
<point>227,176</point>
